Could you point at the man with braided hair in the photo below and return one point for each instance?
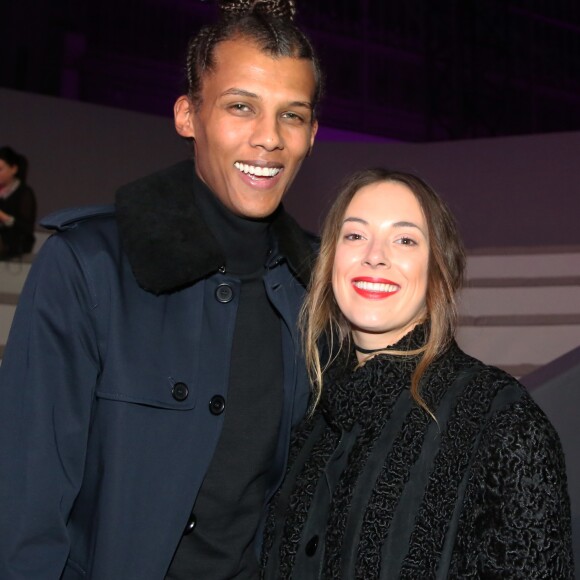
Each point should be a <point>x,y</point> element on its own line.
<point>153,372</point>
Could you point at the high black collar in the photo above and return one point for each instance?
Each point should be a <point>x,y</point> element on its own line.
<point>365,394</point>
<point>168,244</point>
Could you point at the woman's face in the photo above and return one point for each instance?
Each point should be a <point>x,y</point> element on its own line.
<point>7,173</point>
<point>379,276</point>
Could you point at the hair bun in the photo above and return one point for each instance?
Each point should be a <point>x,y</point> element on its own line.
<point>283,9</point>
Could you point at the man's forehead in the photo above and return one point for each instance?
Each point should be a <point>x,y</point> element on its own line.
<point>244,53</point>
<point>242,69</point>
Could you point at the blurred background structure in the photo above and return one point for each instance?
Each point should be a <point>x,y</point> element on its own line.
<point>416,71</point>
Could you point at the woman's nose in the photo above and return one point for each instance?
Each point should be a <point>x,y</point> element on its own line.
<point>376,256</point>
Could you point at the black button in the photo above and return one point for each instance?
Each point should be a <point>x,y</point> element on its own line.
<point>191,523</point>
<point>180,391</point>
<point>217,405</point>
<point>311,546</point>
<point>224,293</point>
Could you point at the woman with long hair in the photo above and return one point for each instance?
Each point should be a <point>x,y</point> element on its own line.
<point>417,461</point>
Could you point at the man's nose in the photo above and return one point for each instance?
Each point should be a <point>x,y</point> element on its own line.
<point>267,133</point>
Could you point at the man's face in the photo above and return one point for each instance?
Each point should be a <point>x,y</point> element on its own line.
<point>253,127</point>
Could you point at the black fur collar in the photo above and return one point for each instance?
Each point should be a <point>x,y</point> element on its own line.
<point>169,245</point>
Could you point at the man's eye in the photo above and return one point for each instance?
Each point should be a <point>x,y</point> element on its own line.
<point>293,117</point>
<point>239,107</point>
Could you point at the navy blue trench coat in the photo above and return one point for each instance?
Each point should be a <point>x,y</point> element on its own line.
<point>111,364</point>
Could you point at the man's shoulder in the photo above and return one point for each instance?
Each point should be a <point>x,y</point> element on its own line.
<point>86,231</point>
<point>70,218</point>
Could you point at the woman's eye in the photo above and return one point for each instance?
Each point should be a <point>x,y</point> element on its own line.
<point>353,237</point>
<point>406,241</point>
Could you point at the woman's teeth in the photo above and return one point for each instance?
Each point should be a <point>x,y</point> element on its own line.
<point>375,286</point>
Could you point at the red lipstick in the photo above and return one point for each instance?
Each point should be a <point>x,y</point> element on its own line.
<point>374,288</point>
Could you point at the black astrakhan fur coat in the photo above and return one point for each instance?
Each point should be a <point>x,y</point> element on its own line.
<point>376,489</point>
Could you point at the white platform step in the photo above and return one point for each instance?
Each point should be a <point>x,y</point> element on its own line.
<point>522,263</point>
<point>13,273</point>
<point>537,299</point>
<point>506,346</point>
<point>6,316</point>
<point>521,310</point>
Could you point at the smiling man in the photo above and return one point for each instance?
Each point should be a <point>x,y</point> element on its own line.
<point>153,372</point>
<point>252,126</point>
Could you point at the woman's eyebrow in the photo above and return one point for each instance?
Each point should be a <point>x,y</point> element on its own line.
<point>401,224</point>
<point>406,225</point>
<point>355,219</point>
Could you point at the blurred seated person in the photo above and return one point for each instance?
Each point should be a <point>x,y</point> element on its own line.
<point>418,461</point>
<point>17,205</point>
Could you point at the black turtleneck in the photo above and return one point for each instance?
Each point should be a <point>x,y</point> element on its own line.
<point>245,242</point>
<point>230,502</point>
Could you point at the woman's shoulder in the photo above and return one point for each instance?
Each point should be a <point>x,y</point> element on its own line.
<point>490,379</point>
<point>498,395</point>
<point>513,420</point>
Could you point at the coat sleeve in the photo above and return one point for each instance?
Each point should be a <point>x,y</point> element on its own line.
<point>47,380</point>
<point>517,521</point>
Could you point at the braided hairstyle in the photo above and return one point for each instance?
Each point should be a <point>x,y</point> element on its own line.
<point>267,23</point>
<point>274,8</point>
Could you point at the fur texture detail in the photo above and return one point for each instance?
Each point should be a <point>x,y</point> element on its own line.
<point>168,244</point>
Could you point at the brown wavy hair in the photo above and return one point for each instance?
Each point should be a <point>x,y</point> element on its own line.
<point>321,319</point>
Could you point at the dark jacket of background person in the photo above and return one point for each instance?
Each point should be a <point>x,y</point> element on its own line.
<point>377,489</point>
<point>133,398</point>
<point>18,239</point>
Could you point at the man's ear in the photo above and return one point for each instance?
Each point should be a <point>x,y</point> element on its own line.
<point>183,116</point>
<point>313,130</point>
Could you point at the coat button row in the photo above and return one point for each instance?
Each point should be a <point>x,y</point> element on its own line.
<point>217,405</point>
<point>224,293</point>
<point>180,392</point>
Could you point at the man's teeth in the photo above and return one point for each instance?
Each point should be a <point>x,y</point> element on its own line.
<point>258,171</point>
<point>375,286</point>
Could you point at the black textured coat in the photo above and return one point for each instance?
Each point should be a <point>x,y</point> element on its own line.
<point>377,489</point>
